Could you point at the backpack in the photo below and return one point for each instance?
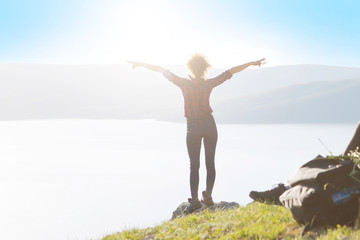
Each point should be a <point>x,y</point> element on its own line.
<point>324,191</point>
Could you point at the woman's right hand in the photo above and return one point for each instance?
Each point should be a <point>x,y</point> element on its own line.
<point>259,62</point>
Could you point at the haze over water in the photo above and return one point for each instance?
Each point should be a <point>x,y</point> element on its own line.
<point>83,179</point>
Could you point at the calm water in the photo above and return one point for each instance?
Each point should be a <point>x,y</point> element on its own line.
<point>83,179</point>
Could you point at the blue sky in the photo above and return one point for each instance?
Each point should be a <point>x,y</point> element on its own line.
<point>229,32</point>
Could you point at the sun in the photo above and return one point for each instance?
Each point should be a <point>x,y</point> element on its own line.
<point>153,33</point>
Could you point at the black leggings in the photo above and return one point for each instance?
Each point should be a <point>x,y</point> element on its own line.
<point>198,129</point>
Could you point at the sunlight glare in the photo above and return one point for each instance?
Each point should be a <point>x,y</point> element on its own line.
<point>152,33</point>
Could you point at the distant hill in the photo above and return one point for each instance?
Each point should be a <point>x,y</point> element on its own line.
<point>268,78</point>
<point>284,94</point>
<point>317,102</point>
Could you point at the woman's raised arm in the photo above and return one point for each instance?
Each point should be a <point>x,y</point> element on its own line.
<point>243,66</point>
<point>148,66</point>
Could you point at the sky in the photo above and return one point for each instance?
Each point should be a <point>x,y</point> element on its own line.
<point>228,32</point>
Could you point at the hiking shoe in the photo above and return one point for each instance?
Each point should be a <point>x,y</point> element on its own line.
<point>193,206</point>
<point>207,199</point>
<point>269,196</point>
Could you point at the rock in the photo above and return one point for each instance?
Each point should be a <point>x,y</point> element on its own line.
<point>219,206</point>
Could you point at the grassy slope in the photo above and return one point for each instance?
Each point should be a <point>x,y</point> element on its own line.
<point>254,221</point>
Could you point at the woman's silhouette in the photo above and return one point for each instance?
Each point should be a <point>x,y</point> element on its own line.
<point>200,122</point>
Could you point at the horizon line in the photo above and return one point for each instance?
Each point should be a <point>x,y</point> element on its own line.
<point>177,65</point>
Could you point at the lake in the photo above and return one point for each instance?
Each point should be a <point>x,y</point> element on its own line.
<point>84,179</point>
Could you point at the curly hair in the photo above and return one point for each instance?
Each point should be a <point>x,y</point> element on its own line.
<point>198,66</point>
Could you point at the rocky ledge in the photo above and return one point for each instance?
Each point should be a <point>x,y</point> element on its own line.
<point>179,212</point>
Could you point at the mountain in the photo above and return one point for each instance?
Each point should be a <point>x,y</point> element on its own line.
<point>317,102</point>
<point>283,94</point>
<point>268,78</point>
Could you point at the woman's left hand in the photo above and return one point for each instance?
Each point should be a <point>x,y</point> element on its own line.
<point>134,64</point>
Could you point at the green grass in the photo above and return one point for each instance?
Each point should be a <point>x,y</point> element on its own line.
<point>254,221</point>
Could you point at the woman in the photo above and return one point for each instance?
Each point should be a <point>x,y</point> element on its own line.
<point>200,122</point>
